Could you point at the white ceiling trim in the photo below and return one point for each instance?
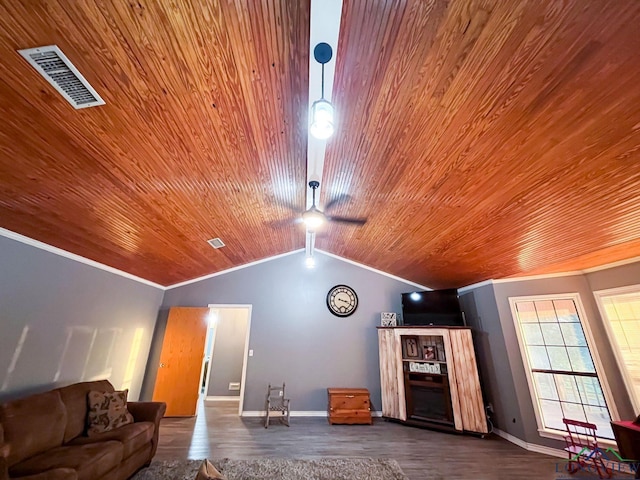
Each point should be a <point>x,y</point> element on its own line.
<point>550,275</point>
<point>539,277</point>
<point>473,286</point>
<point>325,27</point>
<point>375,270</point>
<point>72,256</point>
<point>612,265</point>
<point>275,257</point>
<point>229,270</point>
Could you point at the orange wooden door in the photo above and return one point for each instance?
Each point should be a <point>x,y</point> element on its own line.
<point>178,377</point>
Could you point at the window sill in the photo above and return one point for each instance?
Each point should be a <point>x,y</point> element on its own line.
<point>557,435</point>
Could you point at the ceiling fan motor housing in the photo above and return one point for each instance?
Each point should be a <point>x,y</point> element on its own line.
<point>313,218</point>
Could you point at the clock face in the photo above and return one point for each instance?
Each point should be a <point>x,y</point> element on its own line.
<point>342,300</point>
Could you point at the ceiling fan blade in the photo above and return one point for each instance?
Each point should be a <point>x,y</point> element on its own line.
<point>278,201</point>
<point>289,206</point>
<point>285,222</point>
<point>353,221</point>
<point>343,198</point>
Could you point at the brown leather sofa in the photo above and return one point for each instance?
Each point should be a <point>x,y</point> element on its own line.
<point>42,437</point>
<point>627,435</point>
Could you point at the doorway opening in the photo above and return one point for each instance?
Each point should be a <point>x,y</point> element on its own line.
<point>224,363</point>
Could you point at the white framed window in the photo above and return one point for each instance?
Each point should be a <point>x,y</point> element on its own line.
<point>620,310</point>
<point>563,370</point>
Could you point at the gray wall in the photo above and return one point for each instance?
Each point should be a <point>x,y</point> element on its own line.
<point>508,388</point>
<point>615,277</point>
<point>499,389</point>
<point>228,351</point>
<point>62,321</point>
<point>294,336</point>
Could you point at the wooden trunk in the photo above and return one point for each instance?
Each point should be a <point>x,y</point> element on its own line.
<point>349,406</point>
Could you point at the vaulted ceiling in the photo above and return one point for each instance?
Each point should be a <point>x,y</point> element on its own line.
<point>481,139</point>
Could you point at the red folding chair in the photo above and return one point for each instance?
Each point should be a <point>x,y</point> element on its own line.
<point>583,450</point>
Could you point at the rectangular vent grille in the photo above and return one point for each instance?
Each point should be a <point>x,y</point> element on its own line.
<point>56,68</point>
<point>216,243</point>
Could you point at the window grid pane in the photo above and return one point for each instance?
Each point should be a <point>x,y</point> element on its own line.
<point>545,385</point>
<point>564,374</point>
<point>622,311</point>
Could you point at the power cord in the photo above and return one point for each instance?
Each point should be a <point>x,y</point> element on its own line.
<point>489,411</point>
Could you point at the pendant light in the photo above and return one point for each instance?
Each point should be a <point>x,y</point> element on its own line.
<point>322,126</point>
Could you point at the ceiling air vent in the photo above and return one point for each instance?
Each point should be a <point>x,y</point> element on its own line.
<point>56,68</point>
<point>216,242</point>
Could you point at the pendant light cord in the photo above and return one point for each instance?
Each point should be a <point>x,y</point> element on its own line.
<point>322,94</point>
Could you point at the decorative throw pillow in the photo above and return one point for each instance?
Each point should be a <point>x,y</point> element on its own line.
<point>209,472</point>
<point>107,411</point>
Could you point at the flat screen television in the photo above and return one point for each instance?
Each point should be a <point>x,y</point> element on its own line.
<point>434,307</point>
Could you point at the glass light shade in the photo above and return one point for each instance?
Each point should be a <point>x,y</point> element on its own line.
<point>321,119</point>
<point>312,219</point>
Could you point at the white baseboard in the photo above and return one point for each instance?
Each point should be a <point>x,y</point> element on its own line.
<point>532,447</point>
<point>294,413</point>
<point>553,452</point>
<point>297,413</point>
<point>235,398</point>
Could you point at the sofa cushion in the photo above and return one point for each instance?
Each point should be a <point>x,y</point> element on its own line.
<point>55,474</point>
<point>32,425</point>
<point>135,462</point>
<point>74,398</point>
<point>107,411</point>
<point>89,461</point>
<point>132,437</point>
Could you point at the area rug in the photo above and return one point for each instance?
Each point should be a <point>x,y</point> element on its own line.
<point>280,469</point>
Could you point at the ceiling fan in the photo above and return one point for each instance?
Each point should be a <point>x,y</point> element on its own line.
<point>314,218</point>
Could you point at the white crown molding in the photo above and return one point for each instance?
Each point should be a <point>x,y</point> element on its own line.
<point>612,265</point>
<point>229,270</point>
<point>92,263</point>
<point>72,256</point>
<point>473,286</point>
<point>538,277</point>
<point>371,269</point>
<point>491,281</point>
<point>621,263</point>
<point>380,272</point>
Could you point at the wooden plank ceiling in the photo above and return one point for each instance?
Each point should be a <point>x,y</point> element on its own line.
<point>487,139</point>
<point>481,139</point>
<point>203,133</point>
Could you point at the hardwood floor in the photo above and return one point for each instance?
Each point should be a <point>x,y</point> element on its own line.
<point>218,432</point>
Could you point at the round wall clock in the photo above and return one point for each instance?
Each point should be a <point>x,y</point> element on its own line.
<point>342,300</point>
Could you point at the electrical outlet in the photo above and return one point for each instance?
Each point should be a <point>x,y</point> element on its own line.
<point>280,393</point>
